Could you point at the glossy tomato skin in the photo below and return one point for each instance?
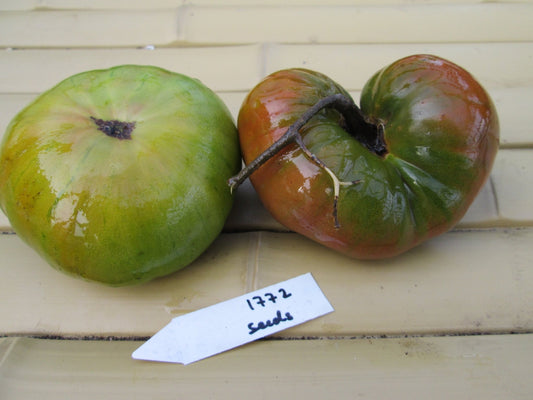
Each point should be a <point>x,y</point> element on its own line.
<point>441,133</point>
<point>120,211</point>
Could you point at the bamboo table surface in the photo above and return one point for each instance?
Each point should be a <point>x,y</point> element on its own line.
<point>452,318</point>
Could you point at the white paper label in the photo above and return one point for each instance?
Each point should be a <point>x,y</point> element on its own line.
<point>223,326</point>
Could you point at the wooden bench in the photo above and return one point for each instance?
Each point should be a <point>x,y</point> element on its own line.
<point>451,319</point>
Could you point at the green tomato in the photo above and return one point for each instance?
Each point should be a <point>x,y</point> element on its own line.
<point>119,175</point>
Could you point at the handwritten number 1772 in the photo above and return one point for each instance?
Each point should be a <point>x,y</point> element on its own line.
<point>261,300</point>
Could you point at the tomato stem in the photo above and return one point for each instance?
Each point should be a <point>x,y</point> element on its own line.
<point>368,134</point>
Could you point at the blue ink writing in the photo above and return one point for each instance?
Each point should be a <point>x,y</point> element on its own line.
<point>268,323</point>
<point>259,300</point>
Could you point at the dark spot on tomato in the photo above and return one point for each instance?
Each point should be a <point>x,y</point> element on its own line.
<point>113,128</point>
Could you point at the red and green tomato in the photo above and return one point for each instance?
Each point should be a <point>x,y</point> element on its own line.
<point>374,181</point>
